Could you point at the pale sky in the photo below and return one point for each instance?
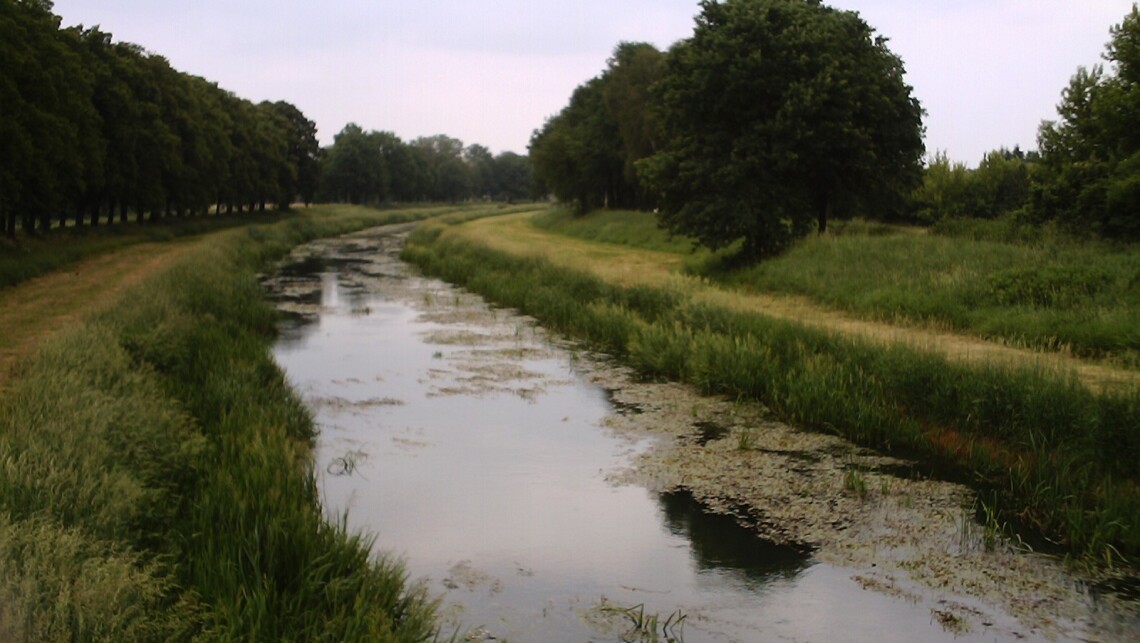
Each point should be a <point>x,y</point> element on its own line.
<point>491,71</point>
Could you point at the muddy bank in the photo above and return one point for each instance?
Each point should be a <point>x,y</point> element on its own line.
<point>869,518</point>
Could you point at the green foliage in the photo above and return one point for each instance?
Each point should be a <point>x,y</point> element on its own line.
<point>586,154</point>
<point>377,168</point>
<point>779,114</point>
<point>94,129</point>
<point>154,478</point>
<point>999,186</point>
<point>1057,455</point>
<point>1048,293</point>
<point>1089,179</point>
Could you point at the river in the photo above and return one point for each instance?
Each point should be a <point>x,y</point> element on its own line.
<point>522,479</point>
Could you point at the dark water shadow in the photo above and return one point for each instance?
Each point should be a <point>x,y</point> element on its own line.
<point>720,542</point>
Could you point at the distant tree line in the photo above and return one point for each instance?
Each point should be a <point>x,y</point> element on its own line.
<point>94,130</point>
<point>1084,178</point>
<point>377,167</point>
<point>778,115</point>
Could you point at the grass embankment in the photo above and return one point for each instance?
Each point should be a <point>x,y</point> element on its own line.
<point>1051,454</point>
<point>32,255</point>
<point>155,482</point>
<point>1044,291</point>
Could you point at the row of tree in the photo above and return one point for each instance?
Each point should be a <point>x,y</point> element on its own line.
<point>777,115</point>
<point>377,167</point>
<point>93,129</point>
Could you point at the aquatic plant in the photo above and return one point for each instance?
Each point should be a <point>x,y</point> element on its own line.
<point>649,628</point>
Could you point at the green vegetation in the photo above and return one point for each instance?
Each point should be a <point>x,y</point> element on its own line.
<point>377,168</point>
<point>586,154</point>
<point>1089,175</point>
<point>35,255</point>
<point>1059,458</point>
<point>154,473</point>
<point>1052,294</point>
<point>624,227</point>
<point>780,114</point>
<point>95,131</point>
<point>1018,285</point>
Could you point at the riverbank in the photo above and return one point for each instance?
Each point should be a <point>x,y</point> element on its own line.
<point>1055,460</point>
<point>155,479</point>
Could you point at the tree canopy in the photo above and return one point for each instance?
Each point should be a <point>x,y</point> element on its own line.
<point>586,154</point>
<point>92,128</point>
<point>1089,174</point>
<point>777,114</point>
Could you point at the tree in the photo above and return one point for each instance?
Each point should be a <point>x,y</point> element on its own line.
<point>481,169</point>
<point>513,177</point>
<point>586,154</point>
<point>779,113</point>
<point>354,170</point>
<point>1089,175</point>
<point>303,152</point>
<point>577,154</point>
<point>633,71</point>
<point>446,175</point>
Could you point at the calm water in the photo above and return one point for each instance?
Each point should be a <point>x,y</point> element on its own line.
<point>470,445</point>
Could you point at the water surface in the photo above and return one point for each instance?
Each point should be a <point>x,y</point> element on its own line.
<point>472,445</point>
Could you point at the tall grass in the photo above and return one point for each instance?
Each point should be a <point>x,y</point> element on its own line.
<point>1050,295</point>
<point>623,227</point>
<point>155,481</point>
<point>994,279</point>
<point>1061,458</point>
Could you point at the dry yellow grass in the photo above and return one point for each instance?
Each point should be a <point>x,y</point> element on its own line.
<point>632,266</point>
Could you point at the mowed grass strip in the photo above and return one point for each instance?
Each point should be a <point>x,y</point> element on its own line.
<point>639,266</point>
<point>1055,457</point>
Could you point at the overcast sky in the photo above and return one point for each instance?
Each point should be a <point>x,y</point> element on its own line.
<point>491,71</point>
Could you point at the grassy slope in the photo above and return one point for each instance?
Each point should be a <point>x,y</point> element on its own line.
<point>1047,292</point>
<point>1057,457</point>
<point>153,472</point>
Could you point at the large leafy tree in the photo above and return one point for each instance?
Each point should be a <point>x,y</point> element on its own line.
<point>779,114</point>
<point>1089,175</point>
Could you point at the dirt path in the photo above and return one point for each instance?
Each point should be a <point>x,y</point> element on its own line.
<point>38,308</point>
<point>633,266</point>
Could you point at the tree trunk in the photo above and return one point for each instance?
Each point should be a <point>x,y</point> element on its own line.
<point>824,214</point>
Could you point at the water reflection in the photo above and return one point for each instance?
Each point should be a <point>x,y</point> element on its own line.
<point>479,454</point>
<point>721,544</point>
